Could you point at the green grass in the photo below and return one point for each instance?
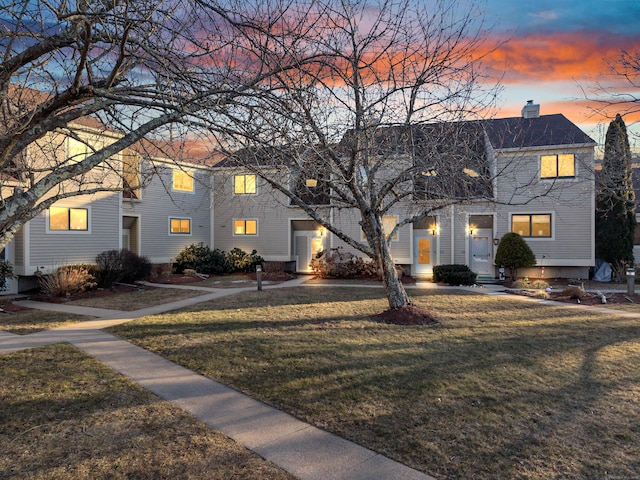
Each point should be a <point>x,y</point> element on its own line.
<point>499,389</point>
<point>65,416</point>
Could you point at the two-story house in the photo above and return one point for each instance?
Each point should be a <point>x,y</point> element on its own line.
<point>164,207</point>
<point>539,182</point>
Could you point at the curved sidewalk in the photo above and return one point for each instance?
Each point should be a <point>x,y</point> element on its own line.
<point>301,449</point>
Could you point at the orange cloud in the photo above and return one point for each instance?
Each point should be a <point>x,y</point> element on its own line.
<point>557,56</point>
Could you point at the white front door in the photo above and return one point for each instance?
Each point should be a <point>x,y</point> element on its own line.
<point>481,253</point>
<point>307,245</point>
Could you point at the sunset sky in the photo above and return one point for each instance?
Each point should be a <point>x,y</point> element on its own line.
<point>556,48</point>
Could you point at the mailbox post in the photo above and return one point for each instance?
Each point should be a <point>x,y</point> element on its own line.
<point>631,280</point>
<point>259,277</point>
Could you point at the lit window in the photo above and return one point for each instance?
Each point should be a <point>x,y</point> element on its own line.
<point>180,226</point>
<point>388,223</point>
<point>68,219</point>
<point>245,227</point>
<point>79,150</point>
<point>557,166</point>
<point>244,184</point>
<point>536,225</point>
<point>183,181</point>
<point>130,176</point>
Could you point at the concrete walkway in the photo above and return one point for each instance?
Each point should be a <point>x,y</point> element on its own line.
<point>303,450</point>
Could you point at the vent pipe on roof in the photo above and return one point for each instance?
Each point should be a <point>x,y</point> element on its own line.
<point>531,110</point>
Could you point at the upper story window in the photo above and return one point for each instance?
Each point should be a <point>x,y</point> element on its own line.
<point>558,166</point>
<point>244,184</point>
<point>179,226</point>
<point>130,176</point>
<point>183,181</point>
<point>389,222</point>
<point>63,219</point>
<point>532,225</point>
<point>245,227</point>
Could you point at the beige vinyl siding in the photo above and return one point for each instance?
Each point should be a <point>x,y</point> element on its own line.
<point>269,208</point>
<point>348,221</point>
<point>570,202</point>
<point>159,203</point>
<point>52,249</point>
<point>18,248</point>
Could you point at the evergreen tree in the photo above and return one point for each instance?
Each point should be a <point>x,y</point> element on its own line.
<point>615,204</point>
<point>514,253</point>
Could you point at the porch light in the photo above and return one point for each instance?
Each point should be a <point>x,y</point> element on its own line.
<point>472,228</point>
<point>321,230</point>
<point>434,229</point>
<point>311,182</point>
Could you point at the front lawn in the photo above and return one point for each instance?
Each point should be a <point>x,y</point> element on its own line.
<point>500,388</point>
<point>65,416</point>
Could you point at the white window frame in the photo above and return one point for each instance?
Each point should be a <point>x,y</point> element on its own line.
<point>185,172</point>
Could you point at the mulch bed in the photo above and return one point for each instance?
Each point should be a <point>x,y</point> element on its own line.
<point>593,299</point>
<point>39,296</point>
<point>409,315</point>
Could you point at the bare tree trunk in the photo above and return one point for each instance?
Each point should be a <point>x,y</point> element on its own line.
<point>396,293</point>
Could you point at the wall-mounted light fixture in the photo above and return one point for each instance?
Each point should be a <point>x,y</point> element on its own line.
<point>496,241</point>
<point>321,230</point>
<point>434,229</point>
<point>472,228</point>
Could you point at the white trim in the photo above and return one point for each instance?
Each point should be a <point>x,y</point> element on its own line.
<point>188,172</point>
<point>138,218</point>
<point>453,234</point>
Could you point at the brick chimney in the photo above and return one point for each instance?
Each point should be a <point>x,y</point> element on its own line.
<point>531,110</point>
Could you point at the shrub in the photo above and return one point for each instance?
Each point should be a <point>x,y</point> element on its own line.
<point>534,285</point>
<point>6,273</point>
<point>241,261</point>
<point>573,292</point>
<point>202,259</point>
<point>121,266</point>
<point>337,264</point>
<point>67,280</point>
<point>514,253</point>
<point>454,274</point>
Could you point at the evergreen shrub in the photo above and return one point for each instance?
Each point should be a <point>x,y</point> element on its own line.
<point>514,253</point>
<point>454,274</point>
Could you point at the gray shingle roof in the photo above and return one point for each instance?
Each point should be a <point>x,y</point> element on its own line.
<point>546,130</point>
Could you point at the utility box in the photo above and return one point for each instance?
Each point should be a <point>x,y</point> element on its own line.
<point>631,280</point>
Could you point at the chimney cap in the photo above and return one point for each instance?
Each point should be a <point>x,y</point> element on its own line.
<point>530,110</point>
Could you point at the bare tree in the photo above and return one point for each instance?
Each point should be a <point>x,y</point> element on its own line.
<point>393,74</point>
<point>123,70</point>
